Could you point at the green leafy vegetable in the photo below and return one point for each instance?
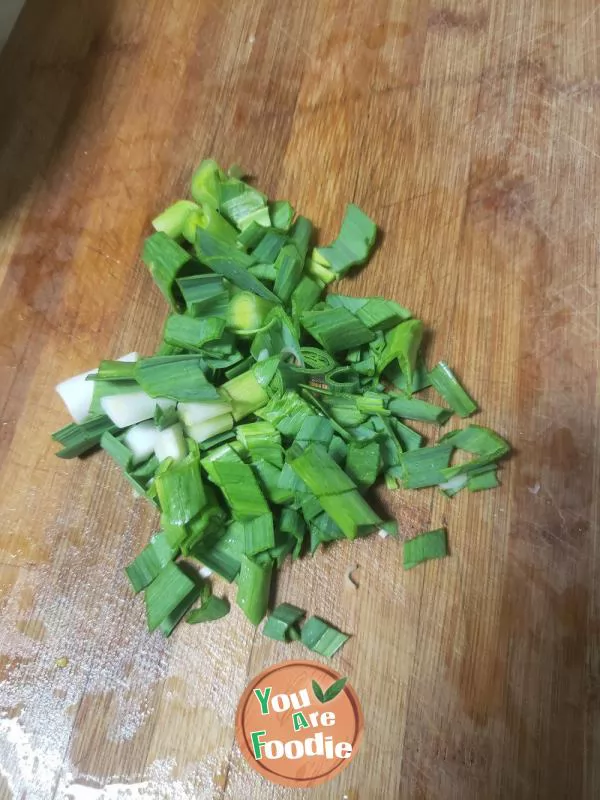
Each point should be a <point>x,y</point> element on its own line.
<point>352,246</point>
<point>282,624</point>
<point>165,259</point>
<point>253,583</point>
<point>79,439</point>
<point>212,608</point>
<point>168,590</point>
<point>424,547</point>
<point>322,638</point>
<point>263,419</point>
<point>445,381</point>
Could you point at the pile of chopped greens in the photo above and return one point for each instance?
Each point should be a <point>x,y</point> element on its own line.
<point>269,409</point>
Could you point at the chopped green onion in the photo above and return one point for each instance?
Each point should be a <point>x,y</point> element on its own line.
<point>170,622</point>
<point>206,183</point>
<point>262,441</point>
<point>300,235</point>
<point>202,431</point>
<point>79,439</point>
<point>413,408</point>
<point>218,558</point>
<point>269,247</point>
<point>409,438</point>
<point>362,463</point>
<point>231,263</point>
<point>282,214</point>
<point>425,467</point>
<point>165,259</point>
<point>252,339</point>
<point>172,219</point>
<point>454,485</point>
<point>259,534</point>
<point>253,581</point>
<point>208,219</point>
<point>179,489</point>
<point>447,384</point>
<point>170,588</point>
<point>322,638</point>
<point>165,418</point>
<point>335,328</point>
<point>286,413</point>
<point>402,344</point>
<point>131,407</point>
<point>247,312</point>
<point>170,443</point>
<point>178,377</point>
<point>204,295</point>
<point>251,236</point>
<point>146,567</point>
<point>425,547</point>
<point>282,621</point>
<point>353,244</point>
<point>212,608</point>
<point>288,266</point>
<point>305,295</point>
<point>192,333</point>
<point>239,486</point>
<point>117,450</point>
<point>487,445</point>
<point>242,204</point>
<point>484,480</point>
<point>397,378</point>
<point>245,395</point>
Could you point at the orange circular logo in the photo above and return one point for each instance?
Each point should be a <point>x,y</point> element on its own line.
<point>299,723</point>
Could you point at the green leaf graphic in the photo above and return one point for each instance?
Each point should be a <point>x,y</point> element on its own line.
<point>318,692</point>
<point>331,693</point>
<point>335,688</point>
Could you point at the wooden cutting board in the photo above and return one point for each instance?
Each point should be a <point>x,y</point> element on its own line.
<point>469,131</point>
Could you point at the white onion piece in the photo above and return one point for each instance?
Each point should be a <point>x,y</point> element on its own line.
<point>205,572</point>
<point>170,443</point>
<point>201,431</point>
<point>133,356</point>
<point>141,439</point>
<point>457,482</point>
<point>192,413</point>
<point>77,392</point>
<point>128,409</point>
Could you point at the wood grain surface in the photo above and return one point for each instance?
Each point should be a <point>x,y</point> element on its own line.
<point>469,131</point>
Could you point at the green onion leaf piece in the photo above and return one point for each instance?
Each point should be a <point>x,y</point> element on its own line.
<point>447,384</point>
<point>402,343</point>
<point>322,638</point>
<point>170,588</point>
<point>212,608</point>
<point>424,547</point>
<point>165,259</point>
<point>353,244</point>
<point>253,582</point>
<point>283,618</point>
<point>79,439</point>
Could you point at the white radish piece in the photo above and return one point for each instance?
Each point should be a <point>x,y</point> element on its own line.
<point>170,443</point>
<point>192,413</point>
<point>141,440</point>
<point>77,392</point>
<point>128,409</point>
<point>201,431</point>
